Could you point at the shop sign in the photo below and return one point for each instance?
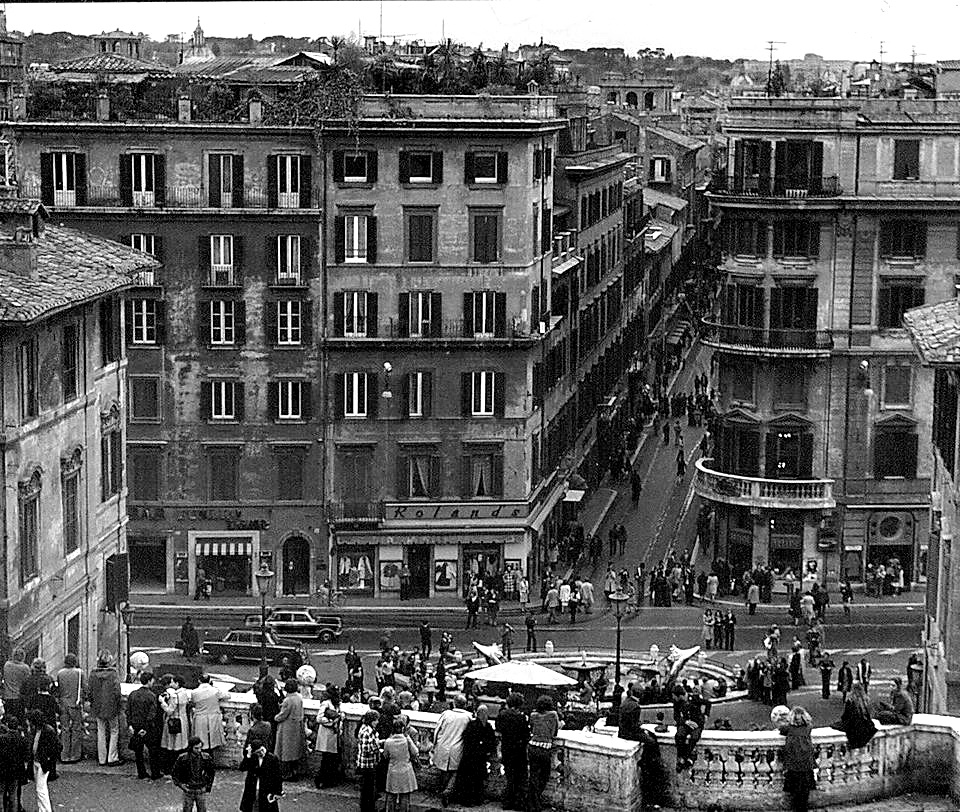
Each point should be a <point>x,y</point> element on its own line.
<point>442,511</point>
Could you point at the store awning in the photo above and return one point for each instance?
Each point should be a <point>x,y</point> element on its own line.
<point>223,548</point>
<point>574,496</point>
<point>676,334</point>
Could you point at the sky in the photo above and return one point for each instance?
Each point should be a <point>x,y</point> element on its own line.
<point>835,29</point>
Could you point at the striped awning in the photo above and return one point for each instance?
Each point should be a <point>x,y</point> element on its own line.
<point>224,547</point>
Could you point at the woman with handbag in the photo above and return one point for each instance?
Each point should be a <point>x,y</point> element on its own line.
<point>329,729</point>
<point>176,728</point>
<point>856,721</point>
<point>799,760</point>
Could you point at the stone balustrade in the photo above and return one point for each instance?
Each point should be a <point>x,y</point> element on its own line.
<point>732,770</point>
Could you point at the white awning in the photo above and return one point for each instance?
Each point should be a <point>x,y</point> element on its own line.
<point>224,548</point>
<point>574,496</point>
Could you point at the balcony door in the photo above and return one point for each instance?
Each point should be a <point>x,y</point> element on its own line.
<point>739,450</point>
<point>355,481</point>
<point>743,314</point>
<point>789,454</point>
<point>793,316</point>
<point>751,167</point>
<point>798,168</point>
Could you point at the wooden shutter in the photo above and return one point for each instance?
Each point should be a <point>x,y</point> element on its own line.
<point>373,316</point>
<point>546,230</point>
<point>239,401</point>
<point>750,440</point>
<point>404,166</point>
<point>501,167</point>
<point>270,321</point>
<point>339,239</point>
<point>538,383</point>
<point>466,394</point>
<point>760,229</point>
<point>373,395</point>
<point>548,162</point>
<point>206,400</point>
<point>436,314</point>
<point>157,246</point>
<point>240,321</point>
<point>908,454</point>
<point>435,478</point>
<point>537,163</point>
<point>426,391</point>
<point>776,309</point>
<point>403,316</point>
<point>780,165</point>
<point>465,483</point>
<point>306,257</point>
<point>770,463</point>
<point>500,315</point>
<point>238,188</point>
<point>806,455</point>
<point>403,481</point>
<point>46,177</point>
<point>338,313</point>
<point>468,314</point>
<point>213,174</point>
<point>273,399</point>
<point>306,322</point>
<point>338,165</point>
<point>306,400</point>
<point>371,239</point>
<point>405,395</point>
<point>920,239</point>
<point>272,184</point>
<point>126,180</point>
<point>469,173</point>
<point>203,323</point>
<point>779,227</point>
<point>738,164</point>
<point>128,321</point>
<point>203,257</point>
<point>499,394</point>
<point>886,238</point>
<point>237,258</point>
<point>437,167</point>
<point>816,166</point>
<point>813,239</point>
<point>765,148</point>
<point>372,166</point>
<point>885,308</point>
<point>758,306</point>
<point>535,308</point>
<point>338,395</point>
<point>651,172</point>
<point>80,169</point>
<point>160,180</point>
<point>270,254</point>
<point>306,181</point>
<point>161,307</point>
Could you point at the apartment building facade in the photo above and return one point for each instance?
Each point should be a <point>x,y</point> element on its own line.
<point>837,216</point>
<point>64,409</point>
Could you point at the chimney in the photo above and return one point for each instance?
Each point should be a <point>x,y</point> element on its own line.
<point>184,109</point>
<point>103,106</point>
<point>19,254</point>
<point>255,105</point>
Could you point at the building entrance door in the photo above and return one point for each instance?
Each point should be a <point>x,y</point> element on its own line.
<point>296,566</point>
<point>418,561</point>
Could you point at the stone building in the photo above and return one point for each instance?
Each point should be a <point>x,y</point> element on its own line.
<point>838,216</point>
<point>64,408</point>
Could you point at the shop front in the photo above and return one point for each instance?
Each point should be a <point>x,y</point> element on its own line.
<point>891,541</point>
<point>148,564</point>
<point>225,559</point>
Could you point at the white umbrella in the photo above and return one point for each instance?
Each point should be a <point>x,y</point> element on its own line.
<point>521,672</point>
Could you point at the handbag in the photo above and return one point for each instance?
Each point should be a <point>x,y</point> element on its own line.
<point>174,723</point>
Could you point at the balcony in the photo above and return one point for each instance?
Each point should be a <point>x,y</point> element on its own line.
<point>355,513</point>
<point>565,254</point>
<point>768,342</point>
<point>441,329</point>
<point>782,187</point>
<point>732,489</point>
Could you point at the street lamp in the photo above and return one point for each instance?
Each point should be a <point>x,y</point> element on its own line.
<point>619,599</point>
<point>126,612</point>
<point>264,577</point>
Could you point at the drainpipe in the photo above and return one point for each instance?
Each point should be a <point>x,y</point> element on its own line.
<point>325,533</point>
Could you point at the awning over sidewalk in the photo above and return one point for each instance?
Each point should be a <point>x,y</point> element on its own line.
<point>676,334</point>
<point>574,496</point>
<point>222,548</point>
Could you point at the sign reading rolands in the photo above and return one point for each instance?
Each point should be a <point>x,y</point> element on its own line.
<point>441,511</point>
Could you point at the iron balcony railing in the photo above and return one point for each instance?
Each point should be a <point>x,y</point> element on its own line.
<point>355,511</point>
<point>763,338</point>
<point>778,186</point>
<point>438,329</point>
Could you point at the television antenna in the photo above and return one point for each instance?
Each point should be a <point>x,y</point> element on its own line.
<point>771,47</point>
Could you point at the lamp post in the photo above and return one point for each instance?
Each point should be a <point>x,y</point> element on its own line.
<point>619,599</point>
<point>126,612</point>
<point>264,577</point>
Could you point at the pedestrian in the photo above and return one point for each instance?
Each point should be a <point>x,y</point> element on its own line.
<point>523,593</point>
<point>677,433</point>
<point>681,465</point>
<point>514,730</point>
<point>473,606</point>
<point>553,603</point>
<point>259,729</point>
<point>143,721</point>
<point>46,706</point>
<point>531,624</point>
<point>731,628</point>
<point>30,686</point>
<point>14,757</point>
<point>329,730</point>
<point>899,710</point>
<point>799,760</point>
<point>622,539</point>
<point>189,639</point>
<point>200,590</point>
<point>493,606</point>
<point>448,746</point>
<point>289,745</point>
<point>442,680</point>
<point>856,721</point>
<point>426,639</point>
<point>71,689</point>
<point>544,726</point>
<point>506,640</point>
<point>479,746</point>
<point>263,782</point>
<point>207,716</point>
<point>846,595</point>
<point>564,594</point>
<point>574,603</point>
<point>629,718</point>
<point>15,673</point>
<point>826,671</point>
<point>400,753</point>
<point>808,607</point>
<point>844,680</point>
<point>796,668</point>
<point>612,541</point>
<point>719,629</point>
<point>268,695</point>
<point>44,747</point>
<point>753,598</point>
<point>586,597</point>
<point>368,759</point>
<point>864,672</point>
<point>636,486</point>
<point>193,772</point>
<point>404,581</point>
<point>666,432</point>
<point>609,583</point>
<point>104,688</point>
<point>174,702</point>
<point>707,629</point>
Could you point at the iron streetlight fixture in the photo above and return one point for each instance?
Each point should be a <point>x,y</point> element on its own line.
<point>126,612</point>
<point>264,577</point>
<point>619,600</point>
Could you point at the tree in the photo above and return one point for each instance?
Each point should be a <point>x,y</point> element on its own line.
<point>776,84</point>
<point>479,73</point>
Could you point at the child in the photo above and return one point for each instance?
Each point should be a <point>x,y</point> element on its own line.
<point>430,686</point>
<point>661,726</point>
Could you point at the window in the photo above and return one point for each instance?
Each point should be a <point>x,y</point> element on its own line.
<point>222,326</point>
<point>288,181</point>
<point>542,163</point>
<point>796,238</point>
<point>289,324</point>
<point>143,321</point>
<point>897,382</point>
<point>288,259</point>
<point>906,159</point>
<point>660,170</point>
<point>355,314</point>
<point>224,400</point>
<point>903,238</point>
<point>485,168</point>
<point>64,179</point>
<point>482,393</point>
<point>109,324</point>
<point>70,361</point>
<point>29,528</point>
<point>290,400</point>
<point>419,476</point>
<point>894,299</point>
<point>739,381</point>
<point>420,236</point>
<point>143,178</point>
<point>111,463</point>
<point>421,167</point>
<point>790,388</point>
<point>648,100</point>
<point>486,236</point>
<point>895,452</point>
<point>70,503</point>
<point>28,372</point>
<point>144,397</point>
<point>789,454</point>
<point>290,462</point>
<point>226,181</point>
<point>221,259</point>
<point>746,237</point>
<point>355,394</point>
<point>418,394</point>
<point>355,167</point>
<point>146,463</point>
<point>223,474</point>
<point>485,316</point>
<point>482,473</point>
<point>356,239</point>
<point>419,313</point>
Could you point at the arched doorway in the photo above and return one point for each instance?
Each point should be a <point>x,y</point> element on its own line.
<point>648,101</point>
<point>296,566</point>
<point>612,97</point>
<point>631,99</point>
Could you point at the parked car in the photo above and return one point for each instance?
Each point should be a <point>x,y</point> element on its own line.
<point>301,621</point>
<point>244,644</point>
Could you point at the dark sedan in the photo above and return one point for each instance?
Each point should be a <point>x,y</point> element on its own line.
<point>244,644</point>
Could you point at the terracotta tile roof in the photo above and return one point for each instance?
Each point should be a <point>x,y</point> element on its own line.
<point>110,63</point>
<point>935,331</point>
<point>658,235</point>
<point>72,266</point>
<point>679,139</point>
<point>654,197</point>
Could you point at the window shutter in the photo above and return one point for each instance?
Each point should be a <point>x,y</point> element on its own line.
<point>203,323</point>
<point>548,162</point>
<point>537,383</point>
<point>403,481</point>
<point>306,400</point>
<point>816,165</point>
<point>160,180</point>
<point>537,163</point>
<point>239,401</point>
<point>750,440</point>
<point>469,174</point>
<point>436,314</point>
<point>496,475</point>
<point>427,394</point>
<point>306,181</point>
<point>306,257</point>
<point>270,322</point>
<point>213,174</point>
<point>405,396</point>
<point>273,187</point>
<point>884,311</point>
<point>372,315</point>
<point>238,189</point>
<point>161,321</point>
<point>667,170</point>
<point>738,164</point>
<point>338,165</point>
<point>435,482</point>
<point>776,310</point>
<point>653,168</point>
<point>502,167</point>
<point>806,455</point>
<point>270,253</point>
<point>920,240</point>
<point>203,258</point>
<point>759,299</point>
<point>500,315</point>
<point>338,313</point>
<point>403,315</point>
<point>466,394</point>
<point>237,258</point>
<point>46,177</point>
<point>338,395</point>
<point>371,240</point>
<point>535,309</point>
<point>206,400</point>
<point>373,395</point>
<point>813,235</point>
<point>157,247</point>
<point>306,322</point>
<point>273,399</point>
<point>546,230</point>
<point>499,394</point>
<point>240,322</point>
<point>886,239</point>
<point>465,483</point>
<point>80,167</point>
<point>437,167</point>
<point>468,314</point>
<point>779,227</point>
<point>770,463</point>
<point>128,322</point>
<point>882,458</point>
<point>765,149</point>
<point>761,242</point>
<point>339,249</point>
<point>908,453</point>
<point>404,164</point>
<point>372,166</point>
<point>780,165</point>
<point>126,180</point>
